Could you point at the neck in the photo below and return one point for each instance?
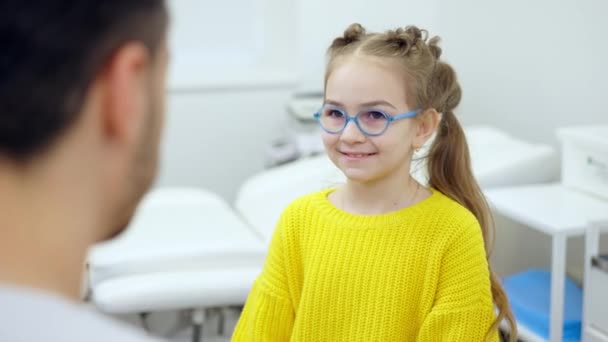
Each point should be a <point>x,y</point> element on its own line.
<point>381,196</point>
<point>44,227</point>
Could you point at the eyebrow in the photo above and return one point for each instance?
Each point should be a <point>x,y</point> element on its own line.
<point>366,104</point>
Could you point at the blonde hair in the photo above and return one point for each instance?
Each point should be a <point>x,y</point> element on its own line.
<point>432,84</point>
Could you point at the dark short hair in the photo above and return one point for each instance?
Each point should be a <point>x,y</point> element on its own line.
<point>51,51</point>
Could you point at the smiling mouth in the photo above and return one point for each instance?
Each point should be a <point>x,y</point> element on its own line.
<point>357,155</point>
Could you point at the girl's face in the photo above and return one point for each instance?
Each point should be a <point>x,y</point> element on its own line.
<point>364,83</point>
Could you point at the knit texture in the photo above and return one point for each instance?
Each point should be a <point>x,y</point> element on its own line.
<point>416,274</point>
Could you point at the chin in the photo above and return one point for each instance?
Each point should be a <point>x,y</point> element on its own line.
<point>358,176</point>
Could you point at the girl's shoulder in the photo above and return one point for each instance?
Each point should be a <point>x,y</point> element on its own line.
<point>307,202</point>
<point>450,213</point>
<point>302,213</point>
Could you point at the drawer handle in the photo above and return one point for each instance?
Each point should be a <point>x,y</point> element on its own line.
<point>600,262</point>
<point>594,162</point>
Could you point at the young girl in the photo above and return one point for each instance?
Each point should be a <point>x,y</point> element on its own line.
<point>383,258</point>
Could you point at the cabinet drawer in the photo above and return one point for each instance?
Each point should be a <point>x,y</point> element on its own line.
<point>598,303</point>
<point>585,158</point>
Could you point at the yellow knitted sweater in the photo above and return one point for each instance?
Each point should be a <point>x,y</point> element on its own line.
<point>416,274</point>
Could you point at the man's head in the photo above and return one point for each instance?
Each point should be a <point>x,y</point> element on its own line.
<point>82,87</point>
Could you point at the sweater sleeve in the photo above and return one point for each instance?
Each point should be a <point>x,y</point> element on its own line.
<point>463,309</point>
<point>268,314</point>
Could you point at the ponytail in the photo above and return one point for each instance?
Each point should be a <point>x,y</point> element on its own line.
<point>450,172</point>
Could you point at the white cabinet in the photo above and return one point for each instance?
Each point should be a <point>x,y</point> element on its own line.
<point>595,316</point>
<point>559,212</point>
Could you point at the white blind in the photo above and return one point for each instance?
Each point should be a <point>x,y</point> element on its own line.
<point>225,33</point>
<point>232,43</point>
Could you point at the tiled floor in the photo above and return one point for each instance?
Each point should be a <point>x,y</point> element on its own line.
<point>176,326</point>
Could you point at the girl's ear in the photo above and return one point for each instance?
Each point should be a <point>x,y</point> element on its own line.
<point>428,121</point>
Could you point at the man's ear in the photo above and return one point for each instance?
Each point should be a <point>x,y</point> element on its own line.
<point>428,121</point>
<point>123,86</point>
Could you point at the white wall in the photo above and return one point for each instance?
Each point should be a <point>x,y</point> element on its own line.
<point>319,22</point>
<point>529,67</point>
<point>230,77</point>
<point>216,139</point>
<point>230,42</point>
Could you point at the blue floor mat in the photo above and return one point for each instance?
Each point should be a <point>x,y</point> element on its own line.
<point>530,294</point>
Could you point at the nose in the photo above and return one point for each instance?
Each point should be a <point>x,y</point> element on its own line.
<point>352,134</point>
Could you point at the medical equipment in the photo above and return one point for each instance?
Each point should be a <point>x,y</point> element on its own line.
<point>585,158</point>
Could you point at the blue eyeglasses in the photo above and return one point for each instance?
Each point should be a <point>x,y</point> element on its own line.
<point>333,120</point>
